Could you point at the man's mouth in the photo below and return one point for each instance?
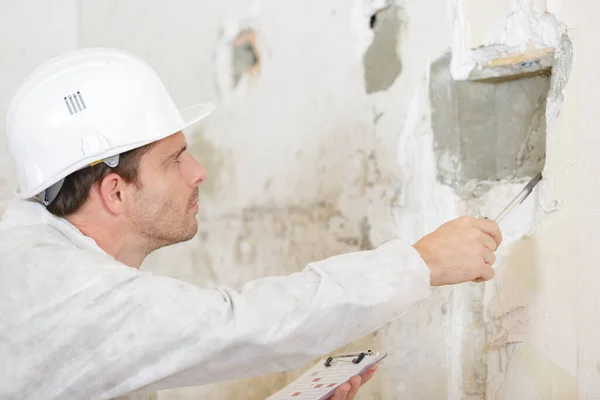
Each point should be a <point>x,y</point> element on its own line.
<point>194,199</point>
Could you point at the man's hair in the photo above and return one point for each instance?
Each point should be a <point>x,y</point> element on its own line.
<point>76,187</point>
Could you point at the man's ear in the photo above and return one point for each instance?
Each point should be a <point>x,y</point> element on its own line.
<point>112,190</point>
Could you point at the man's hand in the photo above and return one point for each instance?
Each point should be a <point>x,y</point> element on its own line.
<point>461,250</point>
<point>348,390</point>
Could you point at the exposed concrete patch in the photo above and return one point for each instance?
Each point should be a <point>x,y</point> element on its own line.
<point>237,56</point>
<point>382,64</point>
<point>487,131</point>
<point>246,58</point>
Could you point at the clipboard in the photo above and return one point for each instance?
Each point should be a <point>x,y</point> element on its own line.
<point>321,381</point>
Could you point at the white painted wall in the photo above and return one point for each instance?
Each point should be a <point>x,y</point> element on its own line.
<point>26,39</point>
<point>304,164</point>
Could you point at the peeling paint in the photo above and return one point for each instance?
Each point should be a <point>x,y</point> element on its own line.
<point>524,30</point>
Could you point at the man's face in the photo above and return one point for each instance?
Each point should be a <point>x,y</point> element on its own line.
<point>166,199</point>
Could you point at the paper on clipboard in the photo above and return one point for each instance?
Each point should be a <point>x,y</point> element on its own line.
<point>321,381</point>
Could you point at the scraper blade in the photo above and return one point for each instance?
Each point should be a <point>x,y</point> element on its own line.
<point>520,197</point>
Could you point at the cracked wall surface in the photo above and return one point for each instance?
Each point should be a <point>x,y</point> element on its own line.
<point>332,127</point>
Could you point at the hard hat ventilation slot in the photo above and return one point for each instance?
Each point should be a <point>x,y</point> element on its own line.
<point>75,103</point>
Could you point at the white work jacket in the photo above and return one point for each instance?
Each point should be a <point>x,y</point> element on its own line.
<point>77,324</point>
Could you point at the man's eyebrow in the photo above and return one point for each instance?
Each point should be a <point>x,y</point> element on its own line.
<point>176,153</point>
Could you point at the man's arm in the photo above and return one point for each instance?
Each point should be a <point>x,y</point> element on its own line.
<point>109,330</point>
<point>158,333</point>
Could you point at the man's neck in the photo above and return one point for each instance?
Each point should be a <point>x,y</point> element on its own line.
<point>112,237</point>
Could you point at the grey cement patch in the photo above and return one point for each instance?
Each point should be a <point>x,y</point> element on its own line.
<point>245,58</point>
<point>487,131</point>
<point>382,64</point>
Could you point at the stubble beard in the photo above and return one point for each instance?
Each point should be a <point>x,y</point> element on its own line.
<point>164,223</point>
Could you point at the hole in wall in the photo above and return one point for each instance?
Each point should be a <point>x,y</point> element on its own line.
<point>373,21</point>
<point>245,56</point>
<point>237,59</point>
<point>382,64</point>
<point>487,131</point>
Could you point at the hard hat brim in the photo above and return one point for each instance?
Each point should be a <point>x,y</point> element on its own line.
<point>189,115</point>
<point>194,114</point>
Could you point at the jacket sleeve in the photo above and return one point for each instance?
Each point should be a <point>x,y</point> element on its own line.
<point>159,333</point>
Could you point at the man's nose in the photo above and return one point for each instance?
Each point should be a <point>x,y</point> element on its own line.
<point>201,175</point>
<point>198,173</point>
<point>195,173</point>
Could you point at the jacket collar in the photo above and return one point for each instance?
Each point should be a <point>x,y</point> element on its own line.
<point>30,212</point>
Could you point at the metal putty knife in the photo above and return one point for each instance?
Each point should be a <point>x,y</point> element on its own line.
<point>520,197</point>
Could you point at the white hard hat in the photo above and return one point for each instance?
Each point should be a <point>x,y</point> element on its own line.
<point>83,107</point>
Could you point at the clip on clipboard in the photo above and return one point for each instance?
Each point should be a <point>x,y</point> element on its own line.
<point>321,381</point>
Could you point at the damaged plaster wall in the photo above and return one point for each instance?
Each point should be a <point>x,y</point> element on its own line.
<point>532,346</point>
<point>330,135</point>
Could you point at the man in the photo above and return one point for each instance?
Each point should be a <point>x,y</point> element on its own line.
<point>105,179</point>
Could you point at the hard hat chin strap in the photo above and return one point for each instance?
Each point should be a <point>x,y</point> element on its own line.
<point>48,195</point>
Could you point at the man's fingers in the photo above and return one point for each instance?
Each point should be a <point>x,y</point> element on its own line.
<point>486,274</point>
<point>488,241</point>
<point>355,383</point>
<point>491,228</point>
<point>341,393</point>
<point>366,377</point>
<point>489,257</point>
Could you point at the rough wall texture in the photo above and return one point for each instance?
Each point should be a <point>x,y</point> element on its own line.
<point>324,141</point>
